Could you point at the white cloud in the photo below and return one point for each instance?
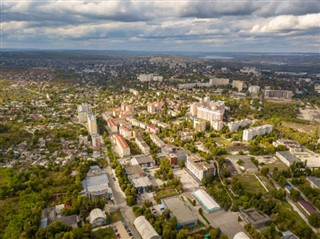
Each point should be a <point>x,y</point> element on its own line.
<point>288,23</point>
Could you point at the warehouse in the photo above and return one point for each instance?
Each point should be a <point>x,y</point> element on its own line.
<point>179,209</point>
<point>206,201</point>
<point>145,229</point>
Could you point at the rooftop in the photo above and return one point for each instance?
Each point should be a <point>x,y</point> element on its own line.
<point>179,209</point>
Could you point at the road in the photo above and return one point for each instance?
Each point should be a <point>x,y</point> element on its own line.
<point>121,204</point>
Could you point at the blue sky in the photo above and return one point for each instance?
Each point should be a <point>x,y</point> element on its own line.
<point>242,25</point>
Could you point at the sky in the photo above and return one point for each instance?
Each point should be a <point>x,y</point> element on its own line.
<point>162,25</point>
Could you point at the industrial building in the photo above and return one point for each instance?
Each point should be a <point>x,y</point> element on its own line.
<point>206,201</point>
<point>287,158</point>
<point>96,184</point>
<point>257,219</point>
<point>145,229</point>
<point>182,211</point>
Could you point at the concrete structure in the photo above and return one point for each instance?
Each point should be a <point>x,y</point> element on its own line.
<point>123,147</point>
<point>199,167</point>
<point>287,158</point>
<point>153,108</point>
<point>199,125</point>
<point>83,111</point>
<point>156,140</point>
<point>174,153</point>
<point>125,132</point>
<point>143,146</point>
<point>206,201</point>
<point>311,159</point>
<point>254,90</point>
<point>238,84</point>
<point>314,181</point>
<point>144,161</point>
<point>288,235</point>
<point>133,91</point>
<point>149,77</point>
<point>218,81</point>
<point>71,220</point>
<point>257,219</point>
<point>96,184</point>
<point>216,125</point>
<point>241,235</point>
<point>179,209</point>
<point>112,125</point>
<point>97,217</point>
<point>278,94</point>
<point>145,229</point>
<point>235,125</point>
<point>153,129</point>
<point>249,134</point>
<point>92,124</point>
<point>292,145</point>
<point>141,184</point>
<point>96,141</point>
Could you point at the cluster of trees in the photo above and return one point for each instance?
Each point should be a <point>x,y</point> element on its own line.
<point>165,171</point>
<point>126,187</point>
<point>25,194</point>
<point>217,191</point>
<point>267,233</point>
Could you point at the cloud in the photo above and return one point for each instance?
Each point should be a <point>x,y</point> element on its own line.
<point>180,24</point>
<point>288,23</point>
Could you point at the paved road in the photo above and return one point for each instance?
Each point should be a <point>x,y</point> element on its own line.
<point>120,203</point>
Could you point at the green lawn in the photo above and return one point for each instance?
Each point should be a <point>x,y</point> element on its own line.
<point>116,216</point>
<point>166,193</point>
<point>250,183</point>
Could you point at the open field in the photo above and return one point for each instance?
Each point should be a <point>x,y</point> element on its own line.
<point>305,128</point>
<point>250,183</point>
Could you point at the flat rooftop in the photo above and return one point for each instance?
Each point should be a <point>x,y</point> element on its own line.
<point>180,210</point>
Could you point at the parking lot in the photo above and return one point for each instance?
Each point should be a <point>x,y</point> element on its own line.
<point>188,182</point>
<point>121,231</point>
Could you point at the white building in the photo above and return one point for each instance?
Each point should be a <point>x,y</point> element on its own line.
<point>143,146</point>
<point>219,81</point>
<point>92,124</point>
<point>123,147</point>
<point>216,125</point>
<point>199,167</point>
<point>133,91</point>
<point>238,84</point>
<point>235,125</point>
<point>199,125</point>
<point>83,111</point>
<point>157,141</point>
<point>254,90</point>
<point>97,217</point>
<point>96,140</point>
<point>145,229</point>
<point>249,134</point>
<point>125,132</point>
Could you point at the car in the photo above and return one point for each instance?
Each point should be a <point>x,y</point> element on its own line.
<point>114,179</point>
<point>118,235</point>
<point>130,234</point>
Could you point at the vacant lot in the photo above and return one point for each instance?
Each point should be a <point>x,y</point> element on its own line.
<point>188,182</point>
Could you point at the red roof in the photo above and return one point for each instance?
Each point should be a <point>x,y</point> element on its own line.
<point>121,140</point>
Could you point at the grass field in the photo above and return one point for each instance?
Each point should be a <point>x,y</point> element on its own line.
<point>306,128</point>
<point>116,216</point>
<point>250,183</point>
<point>166,193</point>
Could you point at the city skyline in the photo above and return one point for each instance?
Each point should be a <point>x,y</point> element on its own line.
<point>235,26</point>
